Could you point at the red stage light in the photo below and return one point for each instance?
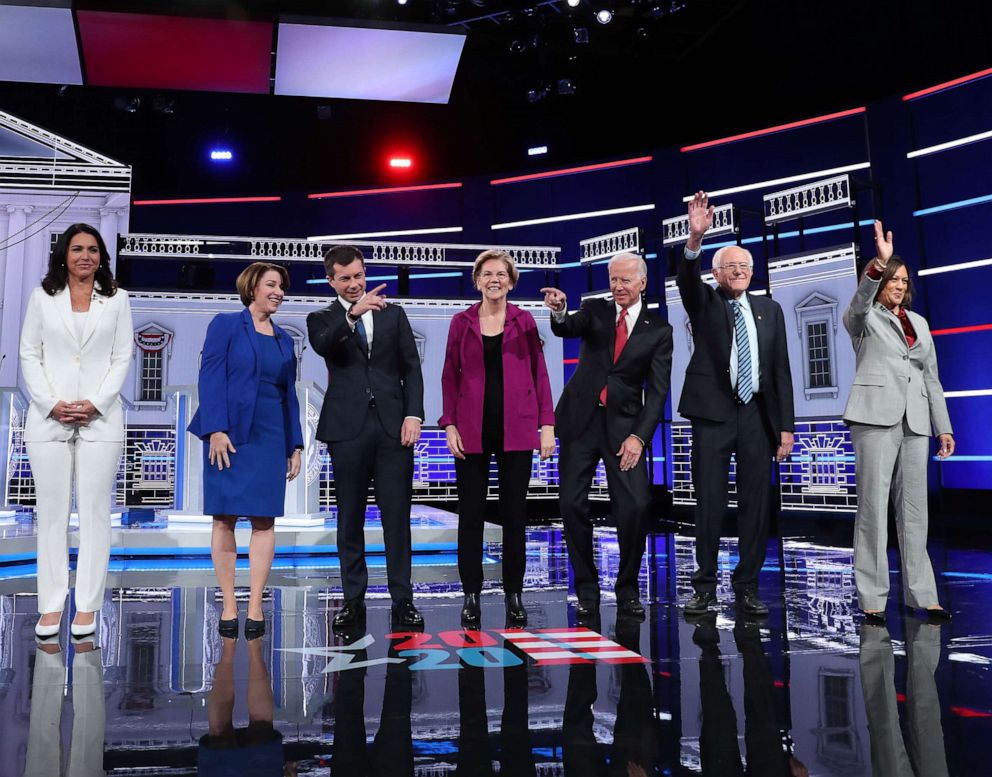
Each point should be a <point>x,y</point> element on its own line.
<point>400,162</point>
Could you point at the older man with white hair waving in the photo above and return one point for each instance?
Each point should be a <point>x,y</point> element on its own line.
<point>738,395</point>
<point>609,411</point>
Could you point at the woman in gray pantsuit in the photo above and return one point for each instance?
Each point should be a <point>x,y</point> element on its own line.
<point>895,400</point>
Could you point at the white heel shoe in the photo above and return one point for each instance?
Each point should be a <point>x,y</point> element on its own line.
<point>83,629</point>
<point>44,632</point>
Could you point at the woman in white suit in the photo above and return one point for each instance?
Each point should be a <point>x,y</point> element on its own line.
<point>75,353</point>
<point>895,401</point>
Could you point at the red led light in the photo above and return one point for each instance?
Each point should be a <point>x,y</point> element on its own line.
<point>960,330</point>
<point>772,130</point>
<point>948,84</point>
<point>388,190</point>
<point>571,171</point>
<point>400,162</point>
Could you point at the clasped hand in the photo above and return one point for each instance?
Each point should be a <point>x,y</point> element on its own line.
<point>78,413</point>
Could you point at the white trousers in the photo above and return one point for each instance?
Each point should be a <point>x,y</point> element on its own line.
<point>91,467</point>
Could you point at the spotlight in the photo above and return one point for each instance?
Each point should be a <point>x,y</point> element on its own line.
<point>566,86</point>
<point>221,155</point>
<point>400,162</point>
<point>517,47</point>
<point>132,105</point>
<point>580,35</point>
<point>604,16</point>
<point>573,3</point>
<point>165,105</point>
<point>401,2</point>
<point>537,150</point>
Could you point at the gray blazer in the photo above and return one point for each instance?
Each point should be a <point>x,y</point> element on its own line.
<point>892,380</point>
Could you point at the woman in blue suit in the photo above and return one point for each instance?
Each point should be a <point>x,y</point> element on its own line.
<point>249,421</point>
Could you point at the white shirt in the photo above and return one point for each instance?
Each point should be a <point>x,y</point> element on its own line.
<point>752,336</point>
<point>79,321</point>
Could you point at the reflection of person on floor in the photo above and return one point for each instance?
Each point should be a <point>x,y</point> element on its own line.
<point>254,751</point>
<point>392,749</point>
<point>635,734</point>
<point>515,755</point>
<point>89,714</point>
<point>925,745</point>
<point>719,751</point>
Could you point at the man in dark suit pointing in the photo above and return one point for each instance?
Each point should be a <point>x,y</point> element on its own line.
<point>738,395</point>
<point>370,421</point>
<point>609,411</point>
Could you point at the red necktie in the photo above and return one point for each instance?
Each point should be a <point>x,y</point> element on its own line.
<point>621,341</point>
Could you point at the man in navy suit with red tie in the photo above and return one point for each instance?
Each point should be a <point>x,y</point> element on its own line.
<point>609,411</point>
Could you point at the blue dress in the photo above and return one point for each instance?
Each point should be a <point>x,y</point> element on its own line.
<point>255,484</point>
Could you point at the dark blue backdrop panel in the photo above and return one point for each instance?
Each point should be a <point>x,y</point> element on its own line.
<point>386,212</point>
<point>952,114</point>
<point>956,174</point>
<point>960,298</point>
<point>599,190</point>
<point>955,236</point>
<point>286,218</point>
<point>792,152</point>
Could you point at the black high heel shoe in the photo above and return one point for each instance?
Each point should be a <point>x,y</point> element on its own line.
<point>253,628</point>
<point>515,611</point>
<point>228,628</point>
<point>471,612</point>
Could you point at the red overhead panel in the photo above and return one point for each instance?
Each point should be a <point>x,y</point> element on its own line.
<point>171,52</point>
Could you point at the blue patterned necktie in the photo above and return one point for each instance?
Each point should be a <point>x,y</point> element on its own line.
<point>744,392</point>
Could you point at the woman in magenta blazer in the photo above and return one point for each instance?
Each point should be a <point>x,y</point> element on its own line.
<point>496,396</point>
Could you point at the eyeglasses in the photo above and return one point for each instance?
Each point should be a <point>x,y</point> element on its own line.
<point>735,266</point>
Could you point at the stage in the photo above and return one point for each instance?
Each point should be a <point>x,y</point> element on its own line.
<point>810,687</point>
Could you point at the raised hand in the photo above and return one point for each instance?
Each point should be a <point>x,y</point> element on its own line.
<point>372,300</point>
<point>700,217</point>
<point>554,299</point>
<point>883,244</point>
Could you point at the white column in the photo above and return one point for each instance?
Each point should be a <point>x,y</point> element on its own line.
<point>13,300</point>
<point>109,229</point>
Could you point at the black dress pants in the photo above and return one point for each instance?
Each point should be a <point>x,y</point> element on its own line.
<point>373,454</point>
<point>748,435</point>
<point>472,478</point>
<point>630,499</point>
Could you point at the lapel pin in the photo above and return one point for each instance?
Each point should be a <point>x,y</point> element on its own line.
<point>759,318</point>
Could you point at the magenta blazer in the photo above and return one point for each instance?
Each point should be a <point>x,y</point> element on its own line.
<point>527,401</point>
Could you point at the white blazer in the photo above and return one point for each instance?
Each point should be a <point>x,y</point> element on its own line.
<point>58,365</point>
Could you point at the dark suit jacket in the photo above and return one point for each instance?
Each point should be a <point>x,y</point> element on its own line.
<point>707,392</point>
<point>391,374</point>
<point>636,385</point>
<point>229,378</point>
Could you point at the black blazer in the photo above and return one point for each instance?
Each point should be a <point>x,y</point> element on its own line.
<point>391,374</point>
<point>707,392</point>
<point>636,385</point>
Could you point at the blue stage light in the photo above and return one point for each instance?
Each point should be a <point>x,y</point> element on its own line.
<point>221,155</point>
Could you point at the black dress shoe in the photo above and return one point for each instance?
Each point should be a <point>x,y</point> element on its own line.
<point>405,614</point>
<point>228,628</point>
<point>700,603</point>
<point>515,612</point>
<point>876,618</point>
<point>350,614</point>
<point>471,612</point>
<point>587,608</point>
<point>749,603</point>
<point>630,608</point>
<point>253,628</point>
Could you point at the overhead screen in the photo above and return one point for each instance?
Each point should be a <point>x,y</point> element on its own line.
<point>38,45</point>
<point>170,52</point>
<point>359,63</point>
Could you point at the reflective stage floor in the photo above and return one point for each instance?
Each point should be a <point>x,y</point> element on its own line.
<point>809,690</point>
